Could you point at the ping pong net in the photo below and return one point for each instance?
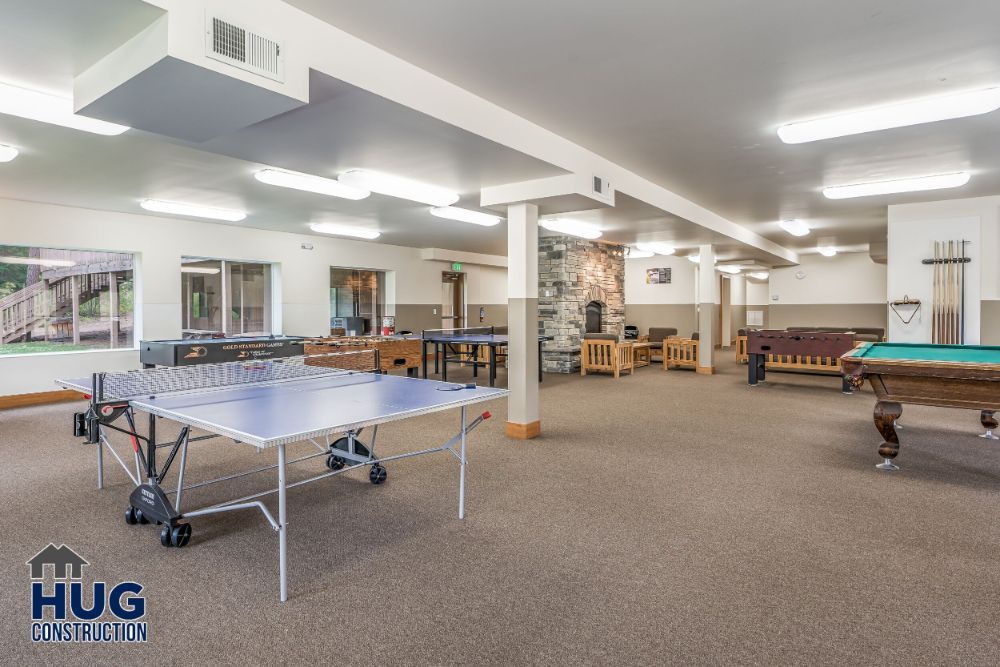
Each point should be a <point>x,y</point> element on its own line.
<point>153,381</point>
<point>468,331</point>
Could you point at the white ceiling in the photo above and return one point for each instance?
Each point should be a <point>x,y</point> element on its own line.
<point>689,94</point>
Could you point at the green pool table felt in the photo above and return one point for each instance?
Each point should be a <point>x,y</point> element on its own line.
<point>970,354</point>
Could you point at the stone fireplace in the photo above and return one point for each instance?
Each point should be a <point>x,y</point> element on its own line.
<point>581,288</point>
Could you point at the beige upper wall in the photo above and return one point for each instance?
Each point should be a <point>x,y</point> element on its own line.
<point>302,277</point>
<point>842,279</point>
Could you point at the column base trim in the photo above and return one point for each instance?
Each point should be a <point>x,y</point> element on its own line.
<point>705,370</point>
<point>524,431</point>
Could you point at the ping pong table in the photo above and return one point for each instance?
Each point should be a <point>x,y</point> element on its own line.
<point>263,404</point>
<point>463,345</point>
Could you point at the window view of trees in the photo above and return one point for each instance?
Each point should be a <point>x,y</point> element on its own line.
<point>60,300</point>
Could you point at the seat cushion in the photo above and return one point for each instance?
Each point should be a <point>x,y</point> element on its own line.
<point>659,334</point>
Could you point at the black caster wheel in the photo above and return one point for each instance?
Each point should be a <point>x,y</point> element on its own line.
<point>165,536</point>
<point>180,535</point>
<point>334,462</point>
<point>377,474</point>
<point>134,515</point>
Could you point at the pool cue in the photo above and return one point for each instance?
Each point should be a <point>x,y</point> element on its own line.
<point>935,324</point>
<point>962,297</point>
<point>951,293</point>
<point>947,294</point>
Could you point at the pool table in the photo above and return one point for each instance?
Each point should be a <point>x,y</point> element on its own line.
<point>952,376</point>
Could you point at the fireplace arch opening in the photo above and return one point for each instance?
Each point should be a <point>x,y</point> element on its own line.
<point>593,316</point>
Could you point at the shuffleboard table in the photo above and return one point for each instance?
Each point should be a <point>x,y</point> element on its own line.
<point>951,376</point>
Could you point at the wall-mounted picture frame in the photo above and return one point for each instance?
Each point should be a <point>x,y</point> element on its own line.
<point>658,276</point>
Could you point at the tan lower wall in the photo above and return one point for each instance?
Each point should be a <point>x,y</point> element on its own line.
<point>644,315</point>
<point>416,317</point>
<point>989,322</point>
<point>781,316</point>
<point>737,319</point>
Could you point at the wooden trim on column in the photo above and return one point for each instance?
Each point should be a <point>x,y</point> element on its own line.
<point>39,398</point>
<point>524,431</point>
<point>705,370</point>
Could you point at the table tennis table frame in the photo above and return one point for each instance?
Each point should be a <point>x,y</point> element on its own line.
<point>441,358</point>
<point>102,415</point>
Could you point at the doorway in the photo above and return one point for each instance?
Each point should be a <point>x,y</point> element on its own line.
<point>452,300</point>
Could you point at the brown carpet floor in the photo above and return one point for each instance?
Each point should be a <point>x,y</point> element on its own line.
<point>665,518</point>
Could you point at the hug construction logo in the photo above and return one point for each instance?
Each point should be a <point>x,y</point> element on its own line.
<point>102,615</point>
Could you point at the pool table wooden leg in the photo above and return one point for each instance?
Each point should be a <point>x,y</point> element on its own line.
<point>886,414</point>
<point>989,422</point>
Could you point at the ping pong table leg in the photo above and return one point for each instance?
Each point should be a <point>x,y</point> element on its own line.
<point>180,473</point>
<point>493,365</point>
<point>461,473</point>
<point>444,362</point>
<point>283,526</point>
<point>100,463</point>
<point>423,356</point>
<point>539,360</point>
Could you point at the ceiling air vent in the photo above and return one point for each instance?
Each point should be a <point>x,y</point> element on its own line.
<point>237,46</point>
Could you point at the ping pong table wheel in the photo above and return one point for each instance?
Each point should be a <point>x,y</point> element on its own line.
<point>334,462</point>
<point>133,515</point>
<point>176,536</point>
<point>377,474</point>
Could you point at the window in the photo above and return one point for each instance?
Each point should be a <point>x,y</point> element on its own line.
<point>62,300</point>
<point>223,297</point>
<point>357,300</point>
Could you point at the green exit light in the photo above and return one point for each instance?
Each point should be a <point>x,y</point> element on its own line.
<point>456,266</point>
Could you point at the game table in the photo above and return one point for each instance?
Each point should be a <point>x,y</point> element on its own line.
<point>951,376</point>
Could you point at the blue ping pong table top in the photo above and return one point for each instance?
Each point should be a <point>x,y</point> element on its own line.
<point>283,412</point>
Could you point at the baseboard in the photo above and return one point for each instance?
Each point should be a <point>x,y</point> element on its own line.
<point>524,431</point>
<point>39,398</point>
<point>705,370</point>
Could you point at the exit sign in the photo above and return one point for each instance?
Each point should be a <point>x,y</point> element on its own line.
<point>456,266</point>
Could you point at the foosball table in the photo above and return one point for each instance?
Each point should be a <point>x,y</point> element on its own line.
<point>394,352</point>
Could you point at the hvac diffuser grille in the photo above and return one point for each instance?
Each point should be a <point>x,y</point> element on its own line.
<point>229,43</point>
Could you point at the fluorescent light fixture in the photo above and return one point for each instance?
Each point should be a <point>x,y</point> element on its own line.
<point>657,247</point>
<point>571,227</point>
<point>465,215</point>
<point>635,253</point>
<point>48,108</point>
<point>759,275</point>
<point>192,210</point>
<point>338,229</point>
<point>7,153</point>
<point>730,269</point>
<point>826,251</point>
<point>694,258</point>
<point>200,269</point>
<point>36,261</point>
<point>309,183</point>
<point>395,186</point>
<point>918,184</point>
<point>794,227</point>
<point>904,114</point>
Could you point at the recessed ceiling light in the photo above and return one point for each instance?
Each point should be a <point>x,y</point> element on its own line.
<point>465,215</point>
<point>309,183</point>
<point>571,227</point>
<point>47,108</point>
<point>338,229</point>
<point>914,112</point>
<point>192,210</point>
<point>395,186</point>
<point>759,275</point>
<point>7,153</point>
<point>36,261</point>
<point>729,268</point>
<point>826,251</point>
<point>636,253</point>
<point>918,184</point>
<point>794,227</point>
<point>200,269</point>
<point>657,247</point>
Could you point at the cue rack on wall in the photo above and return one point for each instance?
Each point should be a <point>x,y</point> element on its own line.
<point>948,321</point>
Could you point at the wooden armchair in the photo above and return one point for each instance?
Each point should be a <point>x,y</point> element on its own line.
<point>680,352</point>
<point>604,353</point>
